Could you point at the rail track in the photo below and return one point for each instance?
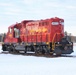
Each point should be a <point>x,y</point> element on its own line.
<point>40,55</point>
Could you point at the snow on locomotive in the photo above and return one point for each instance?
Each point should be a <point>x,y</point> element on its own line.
<point>39,36</point>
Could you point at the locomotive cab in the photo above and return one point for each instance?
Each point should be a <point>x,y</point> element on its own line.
<point>13,34</point>
<point>12,37</point>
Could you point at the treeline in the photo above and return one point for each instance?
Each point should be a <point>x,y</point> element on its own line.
<point>69,35</point>
<point>73,38</point>
<point>2,36</point>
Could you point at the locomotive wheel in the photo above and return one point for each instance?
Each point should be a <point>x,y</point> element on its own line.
<point>9,49</point>
<point>3,47</point>
<point>14,50</point>
<point>57,51</point>
<point>35,50</point>
<point>38,50</point>
<point>45,50</point>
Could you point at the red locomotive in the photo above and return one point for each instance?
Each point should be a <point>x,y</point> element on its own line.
<point>39,36</point>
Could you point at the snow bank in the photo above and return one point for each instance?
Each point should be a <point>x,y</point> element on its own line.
<point>31,65</point>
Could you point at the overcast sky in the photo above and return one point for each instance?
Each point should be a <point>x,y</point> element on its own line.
<point>12,11</point>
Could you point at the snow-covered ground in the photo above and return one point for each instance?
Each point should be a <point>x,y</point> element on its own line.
<point>30,65</point>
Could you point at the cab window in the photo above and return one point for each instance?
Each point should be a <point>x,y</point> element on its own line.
<point>10,30</point>
<point>16,33</point>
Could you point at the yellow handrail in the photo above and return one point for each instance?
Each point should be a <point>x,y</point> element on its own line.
<point>53,43</point>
